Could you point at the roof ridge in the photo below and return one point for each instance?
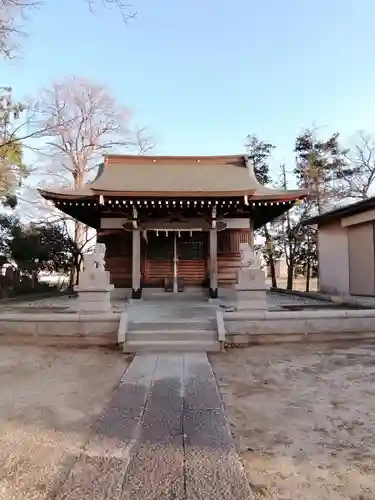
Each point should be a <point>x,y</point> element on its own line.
<point>179,159</point>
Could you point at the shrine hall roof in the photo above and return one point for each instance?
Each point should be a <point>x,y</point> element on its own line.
<point>174,176</point>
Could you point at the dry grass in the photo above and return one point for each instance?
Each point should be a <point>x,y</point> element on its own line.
<point>303,418</point>
<point>48,399</point>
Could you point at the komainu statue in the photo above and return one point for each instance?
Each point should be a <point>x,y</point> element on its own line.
<point>94,283</point>
<point>99,256</point>
<point>249,258</point>
<point>94,267</point>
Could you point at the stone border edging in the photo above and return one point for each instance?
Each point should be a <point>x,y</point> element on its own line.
<point>59,317</point>
<point>299,315</point>
<point>335,299</point>
<point>302,293</point>
<point>31,297</point>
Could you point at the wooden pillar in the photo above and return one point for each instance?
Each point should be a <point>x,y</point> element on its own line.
<point>213,264</point>
<point>136,265</point>
<point>175,263</point>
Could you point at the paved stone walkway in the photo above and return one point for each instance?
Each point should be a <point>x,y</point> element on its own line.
<point>178,308</point>
<point>163,437</point>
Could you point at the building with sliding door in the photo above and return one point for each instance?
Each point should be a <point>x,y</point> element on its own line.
<point>346,249</point>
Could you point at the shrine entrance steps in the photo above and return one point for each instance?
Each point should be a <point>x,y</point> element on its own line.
<point>178,325</point>
<point>173,336</point>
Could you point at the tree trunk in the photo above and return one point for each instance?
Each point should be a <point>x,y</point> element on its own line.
<point>72,277</point>
<point>77,270</point>
<point>270,255</point>
<point>289,282</point>
<point>308,274</point>
<point>34,279</point>
<point>273,272</point>
<point>74,271</point>
<point>79,234</point>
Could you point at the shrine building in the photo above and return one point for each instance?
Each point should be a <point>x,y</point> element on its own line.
<point>174,222</point>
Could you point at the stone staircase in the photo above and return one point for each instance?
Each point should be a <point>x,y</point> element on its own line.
<point>182,335</point>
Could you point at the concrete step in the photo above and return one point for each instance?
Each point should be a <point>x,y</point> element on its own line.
<point>167,346</point>
<point>172,335</point>
<point>162,326</point>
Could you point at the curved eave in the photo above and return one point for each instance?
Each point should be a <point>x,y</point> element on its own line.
<point>281,196</point>
<point>252,194</point>
<point>68,195</point>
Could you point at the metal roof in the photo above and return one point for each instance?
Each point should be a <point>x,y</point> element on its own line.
<point>341,212</point>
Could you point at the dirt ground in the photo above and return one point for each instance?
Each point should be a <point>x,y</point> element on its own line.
<point>298,283</point>
<point>48,399</point>
<point>303,418</point>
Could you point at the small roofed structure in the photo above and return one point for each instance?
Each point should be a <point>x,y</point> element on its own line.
<point>346,249</point>
<point>174,219</point>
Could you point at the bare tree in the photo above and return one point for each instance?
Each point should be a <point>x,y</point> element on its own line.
<point>83,122</point>
<point>14,13</point>
<point>358,177</point>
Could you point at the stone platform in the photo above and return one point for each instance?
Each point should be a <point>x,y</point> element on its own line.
<point>164,436</point>
<point>192,323</point>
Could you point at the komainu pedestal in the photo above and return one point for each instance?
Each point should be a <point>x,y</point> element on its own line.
<point>94,289</point>
<point>251,282</point>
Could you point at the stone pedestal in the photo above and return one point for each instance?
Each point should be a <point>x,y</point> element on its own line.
<point>251,290</point>
<point>94,289</point>
<point>94,298</point>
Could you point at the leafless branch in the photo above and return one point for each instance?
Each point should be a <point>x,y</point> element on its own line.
<point>82,121</point>
<point>359,177</point>
<point>124,8</point>
<point>12,15</point>
<point>143,142</point>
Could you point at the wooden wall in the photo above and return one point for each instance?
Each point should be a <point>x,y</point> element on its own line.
<point>228,254</point>
<point>193,272</point>
<point>118,256</point>
<point>158,259</point>
<point>154,270</point>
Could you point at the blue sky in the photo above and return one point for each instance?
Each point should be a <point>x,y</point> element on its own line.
<point>202,74</point>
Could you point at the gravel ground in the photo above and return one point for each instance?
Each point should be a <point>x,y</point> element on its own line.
<point>48,399</point>
<point>303,418</point>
